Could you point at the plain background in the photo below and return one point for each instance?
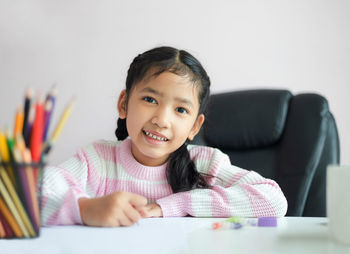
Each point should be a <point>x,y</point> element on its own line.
<point>85,47</point>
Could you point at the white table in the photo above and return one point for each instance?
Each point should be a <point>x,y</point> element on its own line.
<point>182,235</point>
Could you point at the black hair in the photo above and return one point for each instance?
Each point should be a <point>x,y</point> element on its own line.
<point>181,171</point>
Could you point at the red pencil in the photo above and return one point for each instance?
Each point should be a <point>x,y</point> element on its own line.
<point>37,133</point>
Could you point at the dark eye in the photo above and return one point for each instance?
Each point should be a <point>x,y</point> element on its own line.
<point>149,99</point>
<point>181,110</point>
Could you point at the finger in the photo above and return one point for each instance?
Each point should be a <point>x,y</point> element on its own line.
<point>132,214</point>
<point>137,200</point>
<point>124,220</point>
<point>143,213</point>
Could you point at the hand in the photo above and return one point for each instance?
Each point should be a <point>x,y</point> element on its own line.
<point>116,209</point>
<point>151,210</point>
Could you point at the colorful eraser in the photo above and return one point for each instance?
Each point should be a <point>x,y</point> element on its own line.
<point>234,220</point>
<point>267,222</point>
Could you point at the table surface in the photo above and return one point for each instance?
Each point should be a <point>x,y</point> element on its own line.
<point>183,235</point>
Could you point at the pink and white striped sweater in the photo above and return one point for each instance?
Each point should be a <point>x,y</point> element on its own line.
<point>104,167</point>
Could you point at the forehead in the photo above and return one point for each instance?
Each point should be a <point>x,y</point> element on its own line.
<point>170,85</point>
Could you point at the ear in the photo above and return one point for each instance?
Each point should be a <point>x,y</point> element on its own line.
<point>196,127</point>
<point>122,104</point>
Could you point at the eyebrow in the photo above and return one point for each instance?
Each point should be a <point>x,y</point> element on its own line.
<point>182,100</point>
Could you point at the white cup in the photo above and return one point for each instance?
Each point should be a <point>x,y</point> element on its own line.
<point>338,202</point>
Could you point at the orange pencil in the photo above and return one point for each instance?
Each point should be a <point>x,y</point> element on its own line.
<point>2,230</point>
<point>27,158</point>
<point>10,219</point>
<point>18,120</point>
<point>37,133</point>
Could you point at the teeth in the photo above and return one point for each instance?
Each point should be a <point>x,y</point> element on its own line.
<point>155,137</point>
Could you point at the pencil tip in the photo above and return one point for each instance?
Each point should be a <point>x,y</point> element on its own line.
<point>29,92</point>
<point>53,91</point>
<point>72,100</point>
<point>48,105</point>
<point>8,133</point>
<point>20,107</point>
<point>41,97</point>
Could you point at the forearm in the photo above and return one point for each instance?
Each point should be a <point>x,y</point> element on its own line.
<point>245,200</point>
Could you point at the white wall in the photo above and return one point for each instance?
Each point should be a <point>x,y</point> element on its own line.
<point>87,46</point>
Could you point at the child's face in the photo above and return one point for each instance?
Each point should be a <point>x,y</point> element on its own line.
<point>163,107</point>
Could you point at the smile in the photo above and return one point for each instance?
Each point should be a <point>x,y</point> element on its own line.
<point>154,136</point>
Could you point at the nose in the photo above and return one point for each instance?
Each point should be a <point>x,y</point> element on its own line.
<point>162,117</point>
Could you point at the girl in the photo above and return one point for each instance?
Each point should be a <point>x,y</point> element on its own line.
<point>154,172</point>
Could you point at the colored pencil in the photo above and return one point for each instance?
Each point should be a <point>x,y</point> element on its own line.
<point>7,228</point>
<point>49,107</point>
<point>32,200</point>
<point>64,117</point>
<point>19,119</point>
<point>27,102</point>
<point>27,158</point>
<point>5,154</point>
<point>11,144</point>
<point>37,133</point>
<point>63,120</point>
<point>27,190</point>
<point>13,198</point>
<point>27,136</point>
<point>12,206</point>
<point>9,216</point>
<point>47,117</point>
<point>2,230</point>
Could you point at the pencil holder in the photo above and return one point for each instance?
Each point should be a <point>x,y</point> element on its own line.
<point>20,188</point>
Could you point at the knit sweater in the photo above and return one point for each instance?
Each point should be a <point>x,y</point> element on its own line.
<point>105,167</point>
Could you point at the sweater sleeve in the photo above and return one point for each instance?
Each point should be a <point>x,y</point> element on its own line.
<point>234,191</point>
<point>62,186</point>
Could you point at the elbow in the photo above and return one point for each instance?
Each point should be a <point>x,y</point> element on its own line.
<point>281,206</point>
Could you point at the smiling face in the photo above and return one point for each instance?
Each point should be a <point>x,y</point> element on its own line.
<point>161,114</point>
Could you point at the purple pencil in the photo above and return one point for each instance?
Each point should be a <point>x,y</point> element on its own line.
<point>49,106</point>
<point>47,117</point>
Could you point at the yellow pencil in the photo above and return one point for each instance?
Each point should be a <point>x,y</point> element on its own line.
<point>5,154</point>
<point>12,206</point>
<point>16,201</point>
<point>66,113</point>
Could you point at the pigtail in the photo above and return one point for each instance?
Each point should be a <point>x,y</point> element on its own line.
<point>181,172</point>
<point>121,132</point>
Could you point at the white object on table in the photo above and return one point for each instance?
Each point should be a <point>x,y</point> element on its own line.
<point>338,202</point>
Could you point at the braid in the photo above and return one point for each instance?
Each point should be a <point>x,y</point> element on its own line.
<point>181,172</point>
<point>121,132</point>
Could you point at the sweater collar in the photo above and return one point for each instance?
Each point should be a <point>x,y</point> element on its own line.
<point>138,170</point>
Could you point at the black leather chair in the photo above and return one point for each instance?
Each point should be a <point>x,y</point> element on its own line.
<point>285,137</point>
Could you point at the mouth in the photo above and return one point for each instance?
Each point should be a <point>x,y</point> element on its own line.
<point>154,136</point>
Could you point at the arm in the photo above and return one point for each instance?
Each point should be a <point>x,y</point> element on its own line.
<point>234,192</point>
<point>65,198</point>
<point>61,188</point>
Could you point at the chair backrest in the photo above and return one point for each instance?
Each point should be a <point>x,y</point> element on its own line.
<point>285,137</point>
